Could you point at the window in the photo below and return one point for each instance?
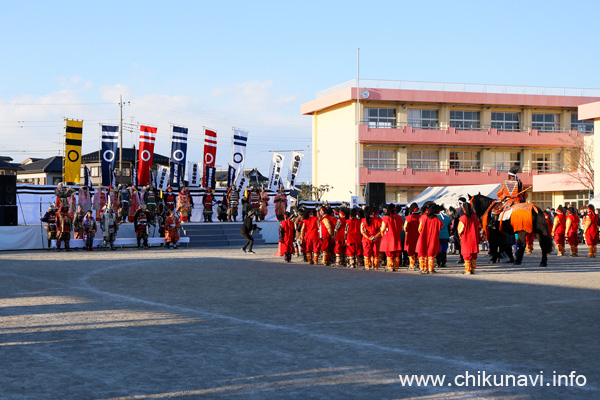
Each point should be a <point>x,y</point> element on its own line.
<point>581,126</point>
<point>502,161</point>
<point>95,171</point>
<point>465,161</point>
<point>423,119</point>
<point>577,199</point>
<point>380,117</point>
<point>542,199</point>
<point>545,162</point>
<point>464,119</point>
<point>506,121</point>
<point>380,159</point>
<point>423,160</point>
<point>545,122</point>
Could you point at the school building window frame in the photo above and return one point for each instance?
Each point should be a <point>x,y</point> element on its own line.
<point>502,161</point>
<point>585,127</point>
<point>423,119</point>
<point>545,162</point>
<point>465,120</point>
<point>380,159</point>
<point>545,122</point>
<point>506,121</point>
<point>380,117</point>
<point>423,160</point>
<point>465,160</point>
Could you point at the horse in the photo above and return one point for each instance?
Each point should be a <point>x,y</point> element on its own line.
<point>524,218</point>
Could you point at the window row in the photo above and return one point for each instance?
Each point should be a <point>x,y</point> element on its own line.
<point>429,160</point>
<point>471,120</point>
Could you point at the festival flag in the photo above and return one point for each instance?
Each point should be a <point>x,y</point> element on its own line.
<point>163,178</point>
<point>72,167</point>
<point>146,153</point>
<point>275,174</point>
<point>238,154</point>
<point>152,179</point>
<point>209,177</point>
<point>178,154</point>
<point>86,177</point>
<point>210,152</point>
<point>231,172</point>
<point>134,178</point>
<point>108,153</point>
<point>194,177</point>
<point>295,164</point>
<point>242,183</point>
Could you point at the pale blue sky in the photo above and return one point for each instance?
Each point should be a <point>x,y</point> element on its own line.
<point>252,64</point>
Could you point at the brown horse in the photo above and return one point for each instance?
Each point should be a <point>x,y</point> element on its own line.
<point>520,219</point>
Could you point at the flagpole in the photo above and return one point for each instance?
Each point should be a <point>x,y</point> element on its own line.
<point>121,139</point>
<point>357,173</point>
<point>99,153</point>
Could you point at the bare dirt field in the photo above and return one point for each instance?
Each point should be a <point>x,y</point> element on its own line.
<point>217,323</point>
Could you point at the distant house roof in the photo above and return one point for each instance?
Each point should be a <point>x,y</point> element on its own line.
<point>30,160</point>
<point>251,173</point>
<point>52,164</point>
<point>129,155</point>
<point>6,158</point>
<point>4,165</point>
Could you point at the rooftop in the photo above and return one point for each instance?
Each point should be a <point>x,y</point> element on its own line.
<point>52,164</point>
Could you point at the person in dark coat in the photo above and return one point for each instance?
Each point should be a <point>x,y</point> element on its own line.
<point>247,228</point>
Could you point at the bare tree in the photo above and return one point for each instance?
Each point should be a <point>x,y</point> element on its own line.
<point>310,192</point>
<point>580,164</point>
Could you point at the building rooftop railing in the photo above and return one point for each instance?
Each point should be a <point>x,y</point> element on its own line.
<point>461,87</point>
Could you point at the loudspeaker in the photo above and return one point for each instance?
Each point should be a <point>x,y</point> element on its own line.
<point>9,216</point>
<point>375,194</point>
<point>8,190</point>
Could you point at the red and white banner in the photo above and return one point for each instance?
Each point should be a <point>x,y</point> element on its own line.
<point>210,151</point>
<point>146,154</point>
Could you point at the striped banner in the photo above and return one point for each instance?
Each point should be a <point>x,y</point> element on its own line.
<point>146,153</point>
<point>210,152</point>
<point>238,154</point>
<point>178,154</point>
<point>110,144</point>
<point>74,130</point>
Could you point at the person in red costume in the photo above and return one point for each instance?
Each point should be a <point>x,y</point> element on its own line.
<point>286,237</point>
<point>172,225</point>
<point>353,238</point>
<point>310,236</point>
<point>411,227</point>
<point>590,230</point>
<point>572,227</point>
<point>339,233</point>
<point>391,243</point>
<point>370,229</point>
<point>468,229</point>
<point>326,228</point>
<point>559,229</point>
<point>428,245</point>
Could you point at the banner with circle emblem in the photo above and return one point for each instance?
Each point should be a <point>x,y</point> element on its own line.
<point>210,152</point>
<point>108,154</point>
<point>72,167</point>
<point>178,154</point>
<point>146,153</point>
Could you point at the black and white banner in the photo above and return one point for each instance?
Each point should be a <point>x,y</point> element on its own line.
<point>210,178</point>
<point>238,153</point>
<point>295,164</point>
<point>230,176</point>
<point>194,174</point>
<point>178,154</point>
<point>110,144</point>
<point>275,171</point>
<point>162,178</point>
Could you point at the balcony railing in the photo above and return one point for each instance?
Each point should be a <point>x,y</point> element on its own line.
<point>553,169</point>
<point>431,126</point>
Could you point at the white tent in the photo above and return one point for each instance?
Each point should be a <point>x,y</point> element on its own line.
<point>448,195</point>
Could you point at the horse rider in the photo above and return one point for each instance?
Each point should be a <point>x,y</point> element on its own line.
<point>510,193</point>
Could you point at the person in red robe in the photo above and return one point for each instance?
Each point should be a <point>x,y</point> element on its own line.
<point>353,238</point>
<point>339,234</point>
<point>590,230</point>
<point>286,237</point>
<point>264,204</point>
<point>310,236</point>
<point>411,227</point>
<point>572,227</point>
<point>370,229</point>
<point>171,226</point>
<point>428,245</point>
<point>391,242</point>
<point>468,230</point>
<point>559,229</point>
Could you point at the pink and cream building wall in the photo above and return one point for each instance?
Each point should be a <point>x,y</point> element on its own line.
<point>413,135</point>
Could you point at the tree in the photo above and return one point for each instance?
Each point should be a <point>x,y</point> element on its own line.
<point>580,164</point>
<point>309,192</point>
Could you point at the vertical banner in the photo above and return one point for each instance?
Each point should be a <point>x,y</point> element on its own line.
<point>209,177</point>
<point>152,179</point>
<point>210,153</point>
<point>231,171</point>
<point>146,153</point>
<point>178,154</point>
<point>275,174</point>
<point>194,174</point>
<point>238,153</point>
<point>295,164</point>
<point>86,177</point>
<point>163,178</point>
<point>74,130</point>
<point>134,178</point>
<point>242,184</point>
<point>110,144</point>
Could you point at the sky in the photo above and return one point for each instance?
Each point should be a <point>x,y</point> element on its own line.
<point>252,64</point>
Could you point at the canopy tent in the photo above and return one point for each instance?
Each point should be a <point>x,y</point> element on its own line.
<point>448,195</point>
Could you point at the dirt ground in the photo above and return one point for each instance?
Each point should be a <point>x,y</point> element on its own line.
<point>217,323</point>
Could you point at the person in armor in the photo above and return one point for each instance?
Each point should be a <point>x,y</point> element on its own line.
<point>511,192</point>
<point>221,211</point>
<point>62,196</point>
<point>207,203</point>
<point>280,204</point>
<point>170,199</point>
<point>150,202</point>
<point>124,199</point>
<point>254,200</point>
<point>185,203</point>
<point>50,219</point>
<point>140,224</point>
<point>89,229</point>
<point>64,226</point>
<point>264,204</point>
<point>84,198</point>
<point>78,223</point>
<point>171,229</point>
<point>99,201</point>
<point>233,199</point>
<point>110,226</point>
